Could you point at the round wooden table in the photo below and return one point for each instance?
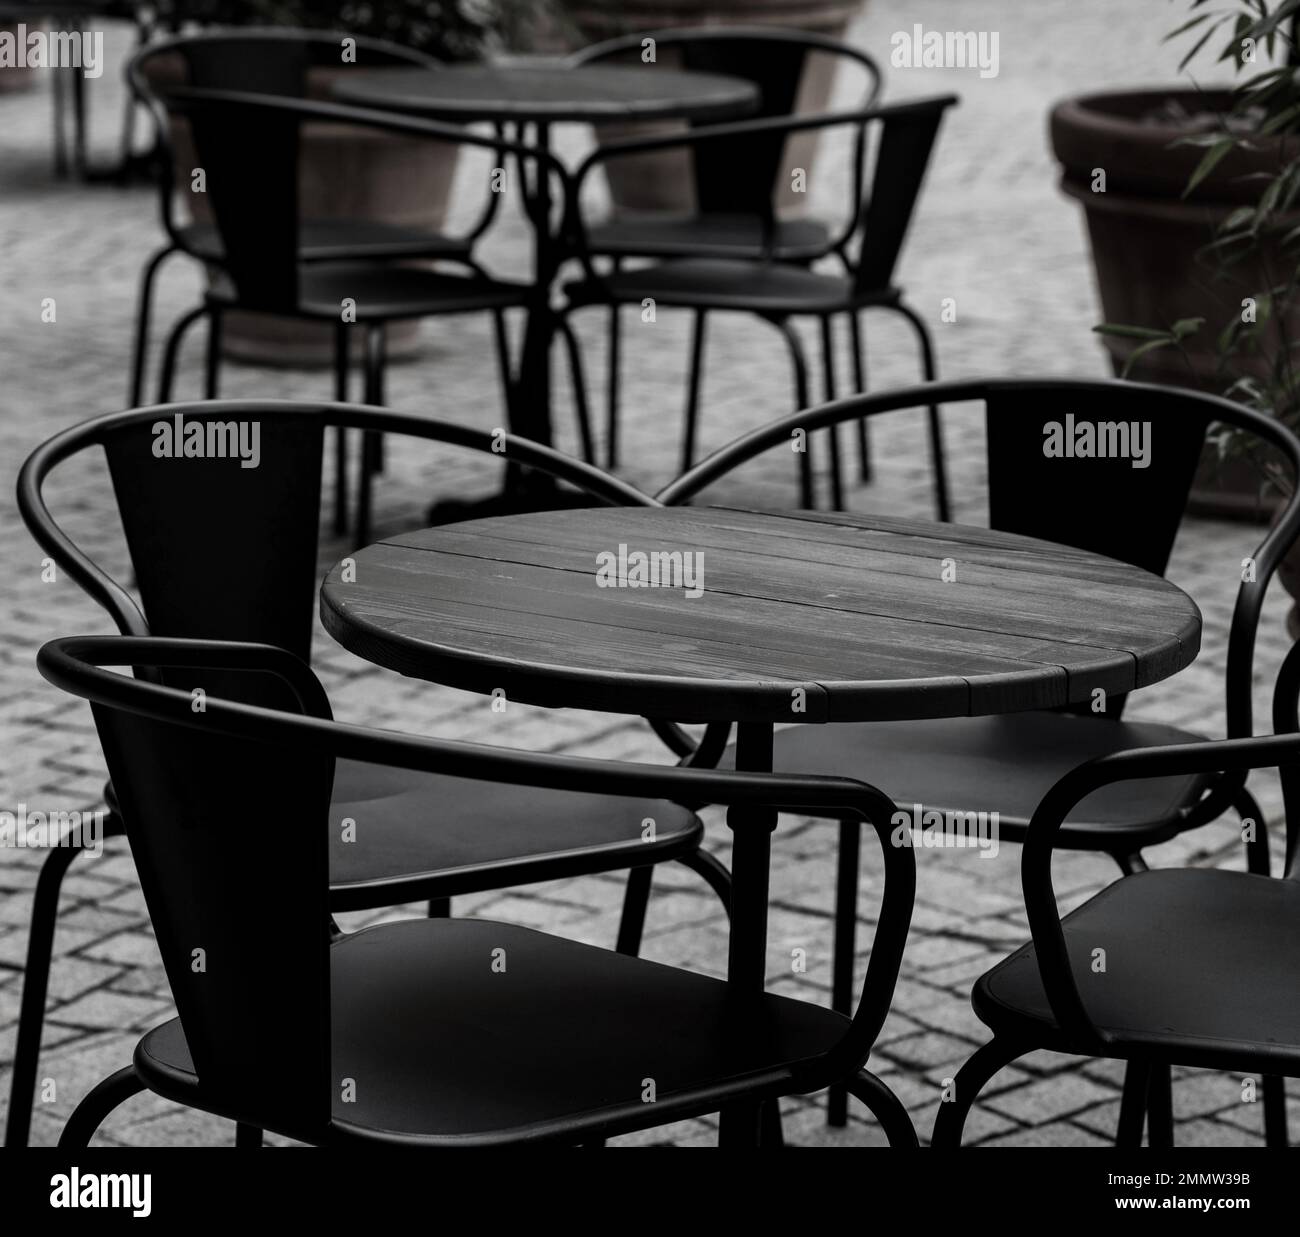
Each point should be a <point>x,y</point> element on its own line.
<point>533,93</point>
<point>547,92</point>
<point>761,618</point>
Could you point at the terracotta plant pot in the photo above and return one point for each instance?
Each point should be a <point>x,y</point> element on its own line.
<point>663,181</point>
<point>345,172</point>
<point>1147,242</point>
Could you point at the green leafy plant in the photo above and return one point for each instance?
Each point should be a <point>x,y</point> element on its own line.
<point>1255,352</point>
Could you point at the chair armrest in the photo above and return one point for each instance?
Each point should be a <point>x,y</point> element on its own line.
<point>1233,758</point>
<point>75,664</point>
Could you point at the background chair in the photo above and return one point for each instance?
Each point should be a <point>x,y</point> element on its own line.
<point>407,1034</point>
<point>1202,965</point>
<point>282,62</point>
<point>730,195</point>
<point>779,292</point>
<point>248,147</point>
<point>1008,763</point>
<point>67,84</point>
<point>186,521</point>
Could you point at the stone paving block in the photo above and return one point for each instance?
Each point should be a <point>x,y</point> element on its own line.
<point>107,1009</point>
<point>1059,1135</point>
<point>1048,1099</point>
<point>928,1050</point>
<point>130,948</point>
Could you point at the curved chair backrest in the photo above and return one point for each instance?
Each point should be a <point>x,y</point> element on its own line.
<point>774,59</point>
<point>225,551</point>
<point>1124,498</point>
<point>226,808</point>
<point>879,213</point>
<point>248,147</point>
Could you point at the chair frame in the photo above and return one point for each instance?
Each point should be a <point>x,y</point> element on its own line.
<point>695,36</point>
<point>130,621</point>
<point>299,111</point>
<point>1242,633</point>
<point>142,94</point>
<point>75,665</point>
<point>1233,759</point>
<point>895,222</point>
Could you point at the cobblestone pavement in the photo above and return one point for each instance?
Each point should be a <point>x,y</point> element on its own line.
<point>993,232</point>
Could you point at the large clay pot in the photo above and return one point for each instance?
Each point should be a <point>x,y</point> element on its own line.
<point>345,172</point>
<point>663,181</point>
<point>1148,245</point>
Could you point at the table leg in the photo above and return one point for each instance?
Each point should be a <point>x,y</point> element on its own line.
<point>532,416</point>
<point>530,409</point>
<point>751,827</point>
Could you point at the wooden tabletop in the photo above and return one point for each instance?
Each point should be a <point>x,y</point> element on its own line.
<point>848,616</point>
<point>549,92</point>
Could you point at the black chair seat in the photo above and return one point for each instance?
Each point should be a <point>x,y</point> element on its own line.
<point>1004,764</point>
<point>1202,964</point>
<point>724,283</point>
<point>335,240</point>
<point>423,835</point>
<point>446,1049</point>
<point>669,236</point>
<point>382,292</point>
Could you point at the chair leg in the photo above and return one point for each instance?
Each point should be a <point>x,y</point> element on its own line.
<point>886,1107</point>
<point>846,923</point>
<point>342,338</point>
<point>635,901</point>
<point>502,341</point>
<point>79,161</point>
<point>579,389</point>
<point>938,460</point>
<point>1133,1105</point>
<point>860,385</point>
<point>1275,1126</point>
<point>714,873</point>
<point>103,1098</point>
<point>690,428</point>
<point>59,95</point>
<point>612,376</point>
<point>140,348</point>
<point>36,977</point>
<point>247,1135</point>
<point>172,351</point>
<point>970,1081</point>
<point>1247,808</point>
<point>833,433</point>
<point>212,367</point>
<point>1160,1107</point>
<point>369,438</point>
<point>799,364</point>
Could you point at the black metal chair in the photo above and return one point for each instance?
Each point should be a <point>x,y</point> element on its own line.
<point>1184,966</point>
<point>779,291</point>
<point>68,84</point>
<point>1008,763</point>
<point>253,193</point>
<point>439,1032</point>
<point>222,550</point>
<point>724,222</point>
<point>275,61</point>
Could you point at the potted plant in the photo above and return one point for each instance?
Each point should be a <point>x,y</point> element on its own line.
<point>663,182</point>
<point>1190,197</point>
<point>348,171</point>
